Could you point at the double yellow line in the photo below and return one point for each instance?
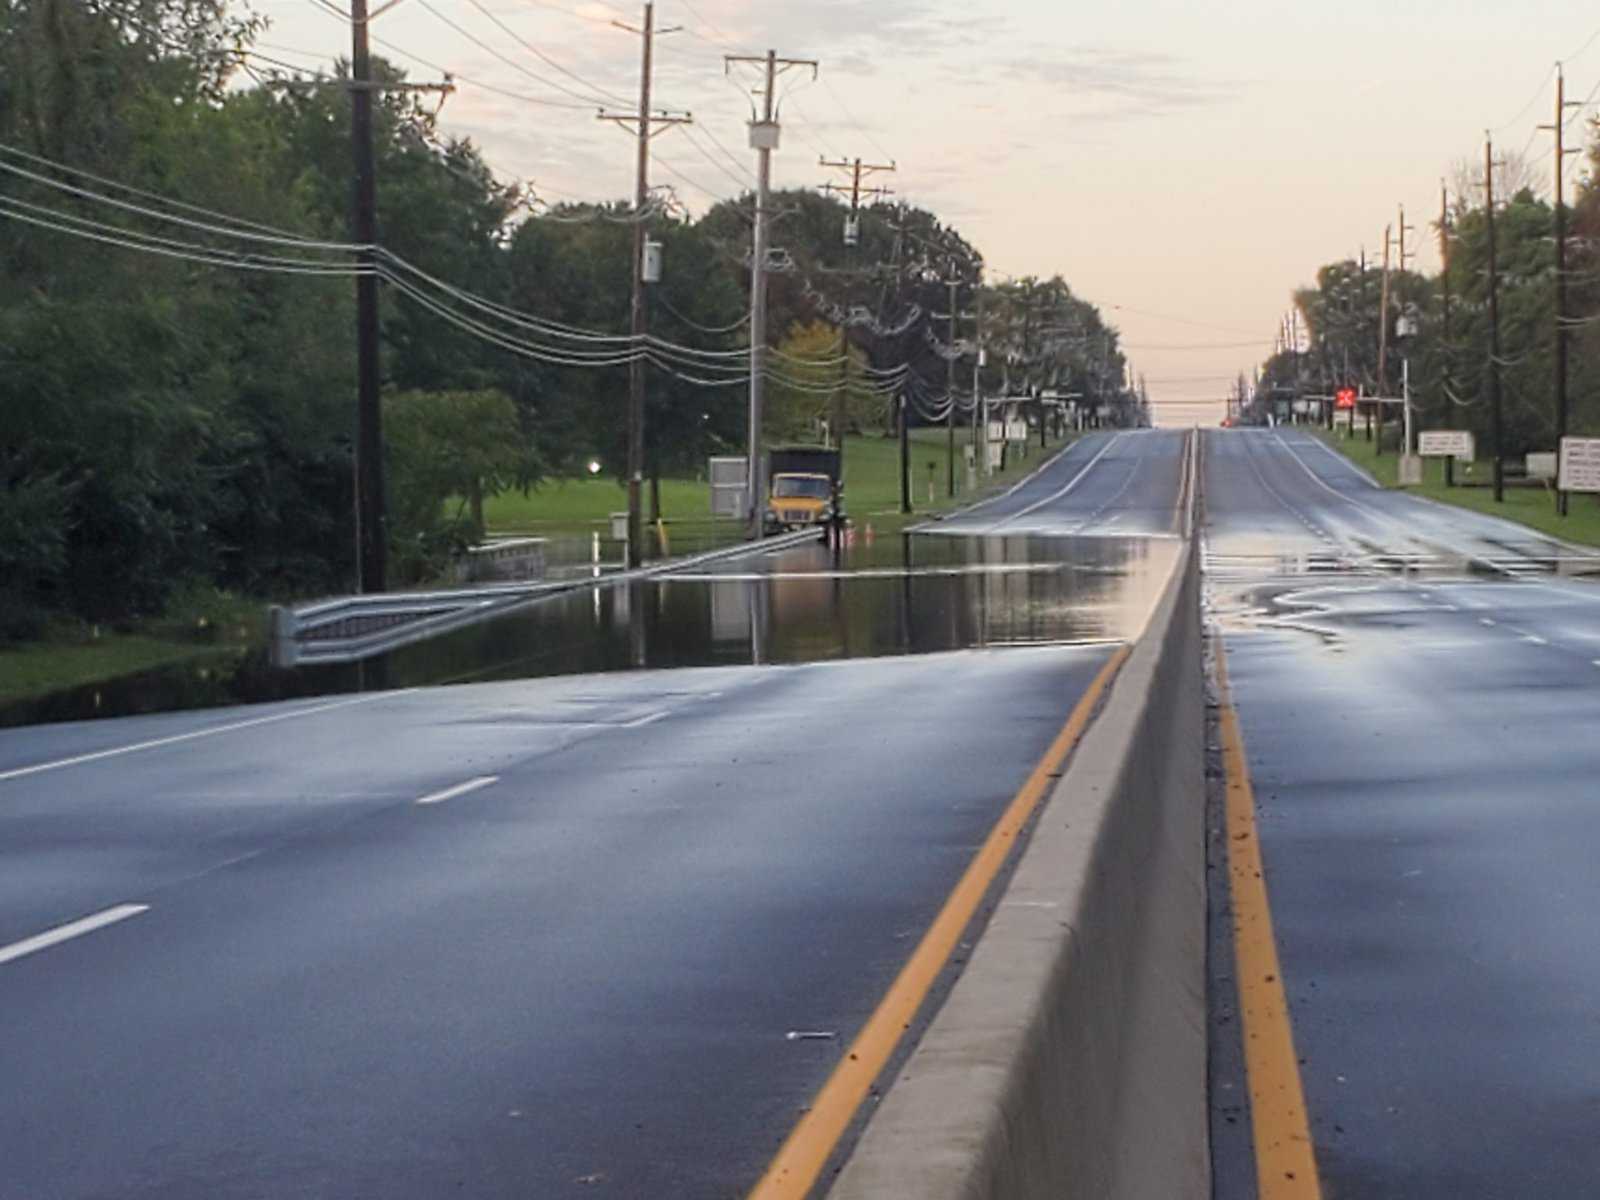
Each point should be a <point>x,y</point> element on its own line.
<point>1286,1165</point>
<point>804,1154</point>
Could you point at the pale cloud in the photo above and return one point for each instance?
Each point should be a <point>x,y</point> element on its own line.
<point>1121,83</point>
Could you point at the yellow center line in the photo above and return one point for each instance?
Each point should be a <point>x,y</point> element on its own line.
<point>1286,1164</point>
<point>801,1158</point>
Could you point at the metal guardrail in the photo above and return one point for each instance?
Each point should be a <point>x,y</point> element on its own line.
<point>352,628</point>
<point>509,559</point>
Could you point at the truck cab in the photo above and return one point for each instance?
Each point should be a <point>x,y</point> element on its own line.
<point>803,488</point>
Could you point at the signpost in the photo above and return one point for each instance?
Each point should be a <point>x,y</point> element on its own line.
<point>1580,465</point>
<point>1448,444</point>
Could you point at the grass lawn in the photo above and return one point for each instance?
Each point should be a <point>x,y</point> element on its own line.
<point>72,655</point>
<point>1534,507</point>
<point>871,485</point>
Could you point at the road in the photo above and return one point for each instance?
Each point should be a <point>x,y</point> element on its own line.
<point>1416,688</point>
<point>533,938</point>
<point>1108,484</point>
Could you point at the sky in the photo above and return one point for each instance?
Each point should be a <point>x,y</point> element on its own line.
<point>1183,166</point>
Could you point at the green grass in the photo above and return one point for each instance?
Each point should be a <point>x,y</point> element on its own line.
<point>203,624</point>
<point>871,484</point>
<point>1534,507</point>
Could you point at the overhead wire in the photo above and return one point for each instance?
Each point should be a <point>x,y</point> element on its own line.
<point>507,59</point>
<point>543,57</point>
<point>80,227</point>
<point>172,218</point>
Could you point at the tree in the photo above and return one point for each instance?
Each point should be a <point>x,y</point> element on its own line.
<point>447,448</point>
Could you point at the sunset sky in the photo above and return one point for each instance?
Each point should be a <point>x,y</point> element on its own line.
<point>1184,167</point>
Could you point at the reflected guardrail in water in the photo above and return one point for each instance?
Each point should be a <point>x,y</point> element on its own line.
<point>352,628</point>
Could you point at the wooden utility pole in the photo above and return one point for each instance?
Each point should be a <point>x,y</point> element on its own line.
<point>858,171</point>
<point>643,125</point>
<point>371,504</point>
<point>980,419</point>
<point>1383,337</point>
<point>1444,274</point>
<point>1558,127</point>
<point>954,283</point>
<point>905,459</point>
<point>372,525</point>
<point>1496,430</point>
<point>764,138</point>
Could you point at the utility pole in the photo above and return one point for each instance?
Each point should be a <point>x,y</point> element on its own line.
<point>1444,280</point>
<point>1383,336</point>
<point>954,283</point>
<point>764,138</point>
<point>852,239</point>
<point>905,459</point>
<point>371,505</point>
<point>643,126</point>
<point>1405,362</point>
<point>1558,128</point>
<point>1494,321</point>
<point>372,526</point>
<point>980,443</point>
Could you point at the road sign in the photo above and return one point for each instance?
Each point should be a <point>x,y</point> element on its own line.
<point>1580,465</point>
<point>1446,443</point>
<point>1344,398</point>
<point>1016,431</point>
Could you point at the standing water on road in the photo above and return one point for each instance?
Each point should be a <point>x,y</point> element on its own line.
<point>901,594</point>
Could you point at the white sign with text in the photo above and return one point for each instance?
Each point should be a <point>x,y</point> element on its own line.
<point>1446,443</point>
<point>1580,465</point>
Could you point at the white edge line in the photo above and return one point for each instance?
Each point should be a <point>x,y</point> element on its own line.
<point>1038,504</point>
<point>647,719</point>
<point>79,759</point>
<point>72,929</point>
<point>460,789</point>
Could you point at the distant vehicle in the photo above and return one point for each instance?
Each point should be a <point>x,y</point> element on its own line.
<point>804,487</point>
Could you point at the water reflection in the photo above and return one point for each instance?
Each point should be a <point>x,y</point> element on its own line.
<point>870,597</point>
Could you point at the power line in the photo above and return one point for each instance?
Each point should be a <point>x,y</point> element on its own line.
<point>541,55</point>
<point>1544,81</point>
<point>845,108</point>
<point>243,234</point>
<point>83,228</point>
<point>459,77</point>
<point>507,59</point>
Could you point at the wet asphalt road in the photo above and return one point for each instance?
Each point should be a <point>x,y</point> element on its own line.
<point>1418,689</point>
<point>533,938</point>
<point>1122,483</point>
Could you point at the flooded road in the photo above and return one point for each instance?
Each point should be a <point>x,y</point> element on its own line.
<point>1075,554</point>
<point>574,926</point>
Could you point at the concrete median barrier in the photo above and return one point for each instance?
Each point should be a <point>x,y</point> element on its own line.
<point>1069,1059</point>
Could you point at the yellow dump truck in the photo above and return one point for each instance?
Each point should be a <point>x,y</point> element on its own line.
<point>803,487</point>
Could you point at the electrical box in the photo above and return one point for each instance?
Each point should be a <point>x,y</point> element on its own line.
<point>763,135</point>
<point>651,272</point>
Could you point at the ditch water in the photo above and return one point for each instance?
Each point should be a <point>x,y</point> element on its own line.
<point>905,594</point>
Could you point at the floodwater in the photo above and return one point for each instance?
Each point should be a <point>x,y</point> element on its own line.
<point>905,594</point>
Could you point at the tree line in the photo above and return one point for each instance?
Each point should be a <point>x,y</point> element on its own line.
<point>1351,331</point>
<point>177,378</point>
